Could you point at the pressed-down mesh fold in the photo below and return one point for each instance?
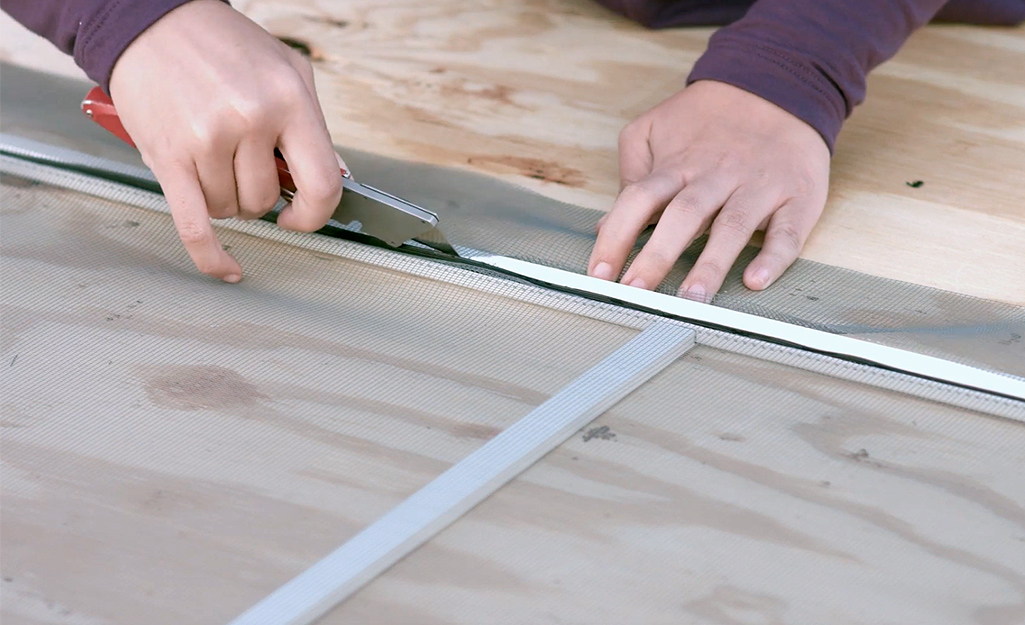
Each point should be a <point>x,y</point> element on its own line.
<point>487,214</point>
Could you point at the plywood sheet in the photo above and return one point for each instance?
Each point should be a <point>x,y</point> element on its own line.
<point>536,93</point>
<point>173,447</point>
<point>730,490</point>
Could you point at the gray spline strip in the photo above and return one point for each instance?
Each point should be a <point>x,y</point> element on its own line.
<point>428,511</point>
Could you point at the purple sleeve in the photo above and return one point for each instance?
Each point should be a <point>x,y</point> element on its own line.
<point>96,32</point>
<point>810,57</point>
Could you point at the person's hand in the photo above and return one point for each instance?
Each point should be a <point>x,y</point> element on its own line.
<point>713,157</point>
<point>207,95</point>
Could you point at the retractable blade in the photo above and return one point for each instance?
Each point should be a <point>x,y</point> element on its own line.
<point>371,211</point>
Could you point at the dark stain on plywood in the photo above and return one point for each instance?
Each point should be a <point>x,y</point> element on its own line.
<point>308,50</point>
<point>532,168</point>
<point>602,432</point>
<point>198,387</point>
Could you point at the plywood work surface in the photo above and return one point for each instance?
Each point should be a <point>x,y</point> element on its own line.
<point>730,490</point>
<point>173,448</point>
<point>536,92</point>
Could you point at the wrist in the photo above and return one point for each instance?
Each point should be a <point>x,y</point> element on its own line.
<point>779,79</point>
<point>108,34</point>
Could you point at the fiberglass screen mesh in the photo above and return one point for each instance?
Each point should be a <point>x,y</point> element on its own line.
<point>174,447</point>
<point>487,214</point>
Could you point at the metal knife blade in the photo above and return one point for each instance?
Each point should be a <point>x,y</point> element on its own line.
<point>385,216</point>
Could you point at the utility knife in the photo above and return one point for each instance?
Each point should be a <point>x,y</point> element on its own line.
<point>371,211</point>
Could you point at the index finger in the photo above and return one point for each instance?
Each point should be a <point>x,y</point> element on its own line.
<point>314,166</point>
<point>633,210</point>
<point>189,211</point>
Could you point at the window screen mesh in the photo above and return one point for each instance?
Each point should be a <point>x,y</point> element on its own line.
<point>487,214</point>
<point>174,448</point>
<point>732,490</point>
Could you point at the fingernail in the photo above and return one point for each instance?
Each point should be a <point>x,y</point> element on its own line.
<point>696,292</point>
<point>232,278</point>
<point>638,283</point>
<point>761,278</point>
<point>603,271</point>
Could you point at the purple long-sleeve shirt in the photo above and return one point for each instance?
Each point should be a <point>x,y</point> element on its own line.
<point>96,32</point>
<point>810,57</point>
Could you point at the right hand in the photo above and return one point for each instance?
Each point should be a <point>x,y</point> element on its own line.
<point>206,95</point>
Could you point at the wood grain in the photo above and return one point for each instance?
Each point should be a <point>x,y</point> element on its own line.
<point>536,91</point>
<point>173,449</point>
<point>729,490</point>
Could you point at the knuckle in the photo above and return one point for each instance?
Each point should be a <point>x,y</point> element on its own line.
<point>208,133</point>
<point>251,113</point>
<point>688,204</point>
<point>802,183</point>
<point>789,236</point>
<point>304,220</point>
<point>286,88</point>
<point>734,222</point>
<point>191,232</point>
<point>708,268</point>
<point>324,189</point>
<point>684,172</point>
<point>658,260</point>
<point>638,193</point>
<point>176,158</point>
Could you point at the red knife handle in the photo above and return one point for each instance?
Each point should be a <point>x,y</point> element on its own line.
<point>100,108</point>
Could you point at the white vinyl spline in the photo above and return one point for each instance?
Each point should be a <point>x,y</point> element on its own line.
<point>817,340</point>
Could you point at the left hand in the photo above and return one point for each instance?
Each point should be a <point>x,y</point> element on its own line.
<point>713,157</point>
